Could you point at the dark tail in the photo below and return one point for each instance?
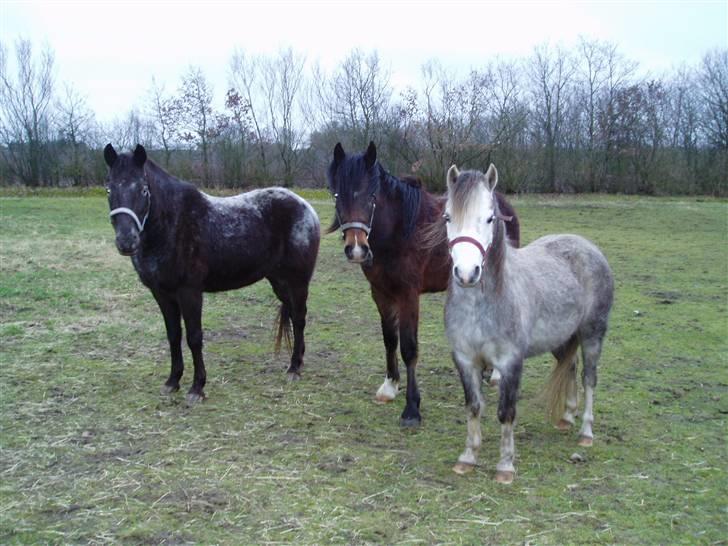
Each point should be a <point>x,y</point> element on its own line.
<point>284,328</point>
<point>561,375</point>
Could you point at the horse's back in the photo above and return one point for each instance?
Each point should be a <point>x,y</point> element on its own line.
<point>255,232</point>
<point>583,256</point>
<point>589,268</point>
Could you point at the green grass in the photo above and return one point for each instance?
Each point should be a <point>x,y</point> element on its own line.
<point>91,453</point>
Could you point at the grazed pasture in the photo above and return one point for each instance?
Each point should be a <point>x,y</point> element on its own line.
<point>91,453</point>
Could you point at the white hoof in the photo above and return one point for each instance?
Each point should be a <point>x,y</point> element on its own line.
<point>387,392</point>
<point>495,378</point>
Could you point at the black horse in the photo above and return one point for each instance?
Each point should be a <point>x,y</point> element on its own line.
<point>183,242</point>
<point>394,230</point>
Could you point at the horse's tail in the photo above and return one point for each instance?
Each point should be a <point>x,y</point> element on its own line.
<point>563,373</point>
<point>283,322</point>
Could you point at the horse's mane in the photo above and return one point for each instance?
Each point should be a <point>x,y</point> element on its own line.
<point>409,190</point>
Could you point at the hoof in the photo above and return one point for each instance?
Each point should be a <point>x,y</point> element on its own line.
<point>463,468</point>
<point>294,376</point>
<point>586,441</point>
<point>410,422</point>
<point>504,476</point>
<point>168,389</point>
<point>194,398</point>
<point>563,425</point>
<point>387,391</point>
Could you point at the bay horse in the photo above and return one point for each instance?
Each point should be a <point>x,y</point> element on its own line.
<point>506,304</point>
<point>183,242</point>
<point>384,222</point>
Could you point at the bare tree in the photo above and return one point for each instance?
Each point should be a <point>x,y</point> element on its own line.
<point>360,95</point>
<point>551,71</point>
<point>197,120</point>
<point>25,112</point>
<point>282,81</point>
<point>164,112</point>
<point>129,131</point>
<point>713,81</point>
<point>592,73</point>
<point>245,79</point>
<point>76,123</point>
<point>454,110</point>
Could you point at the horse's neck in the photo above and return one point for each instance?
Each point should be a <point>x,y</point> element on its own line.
<point>497,264</point>
<point>165,190</point>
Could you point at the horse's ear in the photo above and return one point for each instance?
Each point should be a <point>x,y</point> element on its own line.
<point>339,153</point>
<point>370,156</point>
<point>452,176</point>
<point>110,155</point>
<point>491,177</point>
<point>140,155</point>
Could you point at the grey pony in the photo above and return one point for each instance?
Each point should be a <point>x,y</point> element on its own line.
<point>506,304</point>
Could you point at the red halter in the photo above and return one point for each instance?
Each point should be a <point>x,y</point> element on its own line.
<point>472,241</point>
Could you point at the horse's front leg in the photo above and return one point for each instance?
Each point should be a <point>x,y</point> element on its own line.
<point>408,320</point>
<point>171,313</point>
<point>389,317</point>
<point>508,386</point>
<point>190,301</point>
<point>471,376</point>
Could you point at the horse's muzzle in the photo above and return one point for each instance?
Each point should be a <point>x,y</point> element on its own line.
<point>466,279</point>
<point>127,245</point>
<point>358,254</point>
<point>356,246</point>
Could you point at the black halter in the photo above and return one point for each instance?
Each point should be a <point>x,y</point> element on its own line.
<point>358,225</point>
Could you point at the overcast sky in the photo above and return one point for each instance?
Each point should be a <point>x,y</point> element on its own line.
<point>109,51</point>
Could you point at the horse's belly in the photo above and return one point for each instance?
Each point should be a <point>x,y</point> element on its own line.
<point>231,278</point>
<point>546,336</point>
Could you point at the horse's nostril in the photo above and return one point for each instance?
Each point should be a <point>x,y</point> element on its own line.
<point>477,271</point>
<point>456,272</point>
<point>348,251</point>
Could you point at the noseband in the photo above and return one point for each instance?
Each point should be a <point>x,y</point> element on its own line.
<point>357,225</point>
<point>129,212</point>
<point>472,241</point>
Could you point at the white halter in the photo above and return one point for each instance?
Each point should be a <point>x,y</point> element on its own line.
<point>125,210</point>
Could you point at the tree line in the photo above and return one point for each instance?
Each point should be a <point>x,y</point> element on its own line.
<point>579,119</point>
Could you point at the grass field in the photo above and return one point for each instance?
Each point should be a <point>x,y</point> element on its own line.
<point>91,453</point>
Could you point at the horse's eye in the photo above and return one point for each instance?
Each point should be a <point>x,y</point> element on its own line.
<point>489,220</point>
<point>336,195</point>
<point>108,190</point>
<point>446,216</point>
<point>145,191</point>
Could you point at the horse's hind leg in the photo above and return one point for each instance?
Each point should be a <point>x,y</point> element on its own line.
<point>591,351</point>
<point>471,377</point>
<point>389,319</point>
<point>172,316</point>
<point>293,295</point>
<point>566,355</point>
<point>299,310</point>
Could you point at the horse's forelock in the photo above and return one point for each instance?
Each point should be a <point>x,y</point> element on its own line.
<point>461,194</point>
